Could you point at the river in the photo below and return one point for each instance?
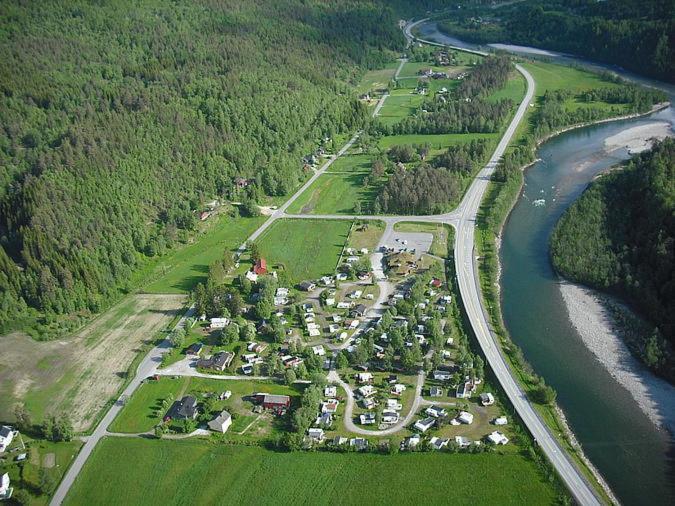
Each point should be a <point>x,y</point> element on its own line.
<point>635,457</point>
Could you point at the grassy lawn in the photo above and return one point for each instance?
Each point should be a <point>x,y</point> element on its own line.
<point>138,471</point>
<point>307,249</point>
<point>444,235</point>
<point>180,272</point>
<point>144,410</point>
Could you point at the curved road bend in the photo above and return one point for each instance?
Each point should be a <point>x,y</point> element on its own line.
<point>334,377</point>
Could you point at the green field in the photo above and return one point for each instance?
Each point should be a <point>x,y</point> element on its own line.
<point>142,471</point>
<point>144,410</point>
<point>181,271</point>
<point>514,89</point>
<point>306,249</point>
<point>401,103</point>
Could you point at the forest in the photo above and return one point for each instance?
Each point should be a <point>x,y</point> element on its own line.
<point>619,236</point>
<point>119,121</point>
<point>635,34</point>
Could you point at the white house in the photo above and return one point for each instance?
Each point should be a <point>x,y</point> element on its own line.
<point>398,389</point>
<point>390,417</point>
<point>330,301</point>
<point>438,443</point>
<point>501,420</point>
<point>367,419</point>
<point>330,391</point>
<point>487,399</point>
<point>316,434</point>
<point>252,276</point>
<point>413,441</point>
<point>465,417</point>
<point>462,441</point>
<point>344,305</point>
<point>442,375</point>
<point>364,377</point>
<point>318,350</point>
<point>221,423</point>
<point>425,424</point>
<point>219,323</point>
<point>366,391</point>
<point>356,294</point>
<point>394,405</point>
<point>6,437</point>
<point>498,438</point>
<point>435,411</point>
<point>330,406</point>
<point>5,489</point>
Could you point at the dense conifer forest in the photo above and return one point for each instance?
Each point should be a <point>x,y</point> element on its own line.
<point>620,237</point>
<point>635,34</point>
<point>120,120</point>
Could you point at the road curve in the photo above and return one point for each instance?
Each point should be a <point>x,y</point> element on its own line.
<point>334,377</point>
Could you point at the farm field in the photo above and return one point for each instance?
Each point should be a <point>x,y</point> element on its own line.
<point>336,194</point>
<point>79,375</point>
<point>375,80</point>
<point>514,89</point>
<point>306,249</point>
<point>143,471</point>
<point>181,271</point>
<point>399,104</point>
<point>144,410</point>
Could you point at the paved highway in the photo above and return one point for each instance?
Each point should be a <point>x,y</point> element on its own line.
<point>467,275</point>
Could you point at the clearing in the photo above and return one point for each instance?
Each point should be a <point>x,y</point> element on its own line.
<point>181,271</point>
<point>143,471</point>
<point>81,374</point>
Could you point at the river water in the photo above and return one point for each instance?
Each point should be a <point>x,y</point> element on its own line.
<point>634,456</point>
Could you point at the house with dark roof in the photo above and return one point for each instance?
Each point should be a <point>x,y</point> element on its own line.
<point>184,409</point>
<point>359,310</point>
<point>218,362</point>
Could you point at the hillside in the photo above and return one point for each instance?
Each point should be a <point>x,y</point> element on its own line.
<point>620,237</point>
<point>121,120</point>
<point>635,34</point>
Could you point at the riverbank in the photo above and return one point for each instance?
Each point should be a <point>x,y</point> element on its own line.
<point>640,138</point>
<point>491,242</point>
<point>593,318</point>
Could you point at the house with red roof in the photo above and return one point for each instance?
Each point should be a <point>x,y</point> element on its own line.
<point>260,267</point>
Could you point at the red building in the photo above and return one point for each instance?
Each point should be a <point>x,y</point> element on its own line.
<point>270,401</point>
<point>260,267</point>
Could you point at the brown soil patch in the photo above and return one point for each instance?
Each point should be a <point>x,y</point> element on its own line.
<point>80,374</point>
